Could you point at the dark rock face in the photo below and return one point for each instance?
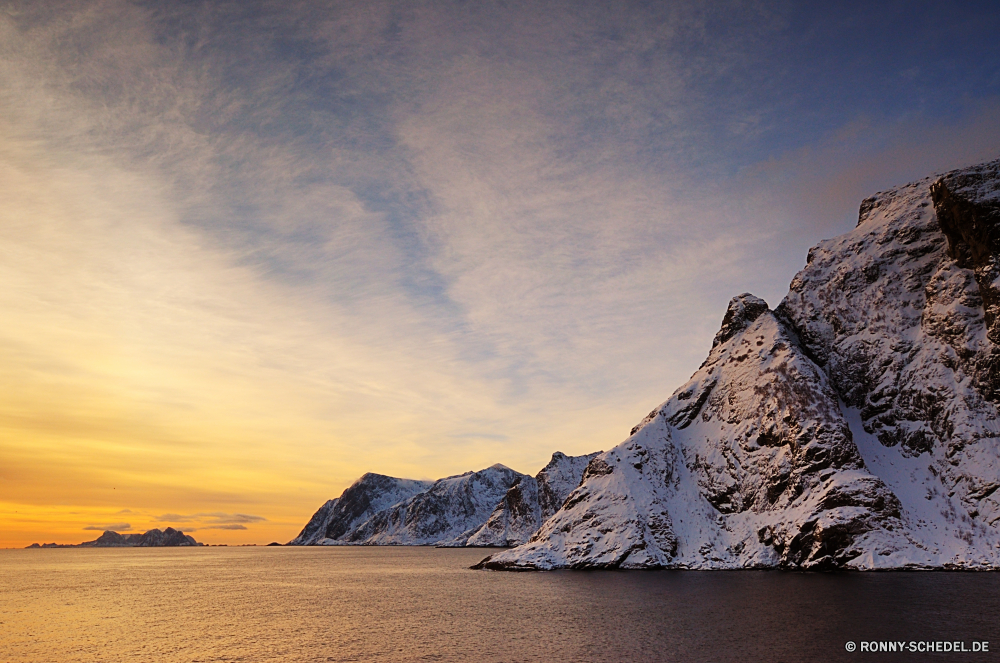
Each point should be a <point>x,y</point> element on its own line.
<point>742,310</point>
<point>365,498</point>
<point>972,227</point>
<point>315,529</point>
<point>109,539</point>
<point>168,537</point>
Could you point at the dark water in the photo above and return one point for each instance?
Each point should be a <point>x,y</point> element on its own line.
<point>423,604</point>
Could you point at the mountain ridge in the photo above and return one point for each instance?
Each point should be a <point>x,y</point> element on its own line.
<point>855,426</point>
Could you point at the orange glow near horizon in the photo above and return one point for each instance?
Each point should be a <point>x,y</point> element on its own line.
<point>143,375</point>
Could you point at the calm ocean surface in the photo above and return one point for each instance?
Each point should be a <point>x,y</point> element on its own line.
<point>423,604</point>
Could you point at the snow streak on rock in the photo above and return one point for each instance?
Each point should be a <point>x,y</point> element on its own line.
<point>750,464</point>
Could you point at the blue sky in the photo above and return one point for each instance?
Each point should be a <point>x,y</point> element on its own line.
<point>304,240</point>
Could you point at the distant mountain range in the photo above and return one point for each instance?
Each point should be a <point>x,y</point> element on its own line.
<point>856,425</point>
<point>492,507</point>
<point>152,538</point>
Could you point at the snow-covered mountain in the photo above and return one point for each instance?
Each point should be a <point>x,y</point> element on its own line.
<point>856,425</point>
<point>446,514</point>
<point>363,499</point>
<point>381,510</point>
<point>530,502</point>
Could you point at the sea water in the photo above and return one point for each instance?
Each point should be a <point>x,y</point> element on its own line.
<point>425,604</point>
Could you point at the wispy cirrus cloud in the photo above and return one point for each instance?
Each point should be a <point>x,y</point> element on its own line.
<point>254,249</point>
<point>215,518</point>
<point>211,521</point>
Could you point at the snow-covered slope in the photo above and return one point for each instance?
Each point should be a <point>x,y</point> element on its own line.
<point>856,426</point>
<point>530,502</point>
<point>446,514</point>
<point>363,499</point>
<point>381,510</point>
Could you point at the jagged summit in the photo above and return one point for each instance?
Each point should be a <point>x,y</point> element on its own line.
<point>743,309</point>
<point>366,497</point>
<point>530,502</point>
<point>728,472</point>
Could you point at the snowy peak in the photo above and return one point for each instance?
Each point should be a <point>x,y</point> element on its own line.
<point>531,501</point>
<point>381,510</point>
<point>363,499</point>
<point>447,513</point>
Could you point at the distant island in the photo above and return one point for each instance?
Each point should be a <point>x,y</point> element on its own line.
<point>154,538</point>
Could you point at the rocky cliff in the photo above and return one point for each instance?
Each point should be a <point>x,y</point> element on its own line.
<point>530,502</point>
<point>380,510</point>
<point>855,426</point>
<point>362,500</point>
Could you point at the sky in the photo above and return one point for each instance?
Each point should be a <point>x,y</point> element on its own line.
<point>251,250</point>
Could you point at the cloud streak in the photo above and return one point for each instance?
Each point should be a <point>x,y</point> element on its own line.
<point>113,527</point>
<point>211,518</point>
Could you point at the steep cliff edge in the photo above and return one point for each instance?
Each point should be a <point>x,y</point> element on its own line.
<point>381,510</point>
<point>901,314</point>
